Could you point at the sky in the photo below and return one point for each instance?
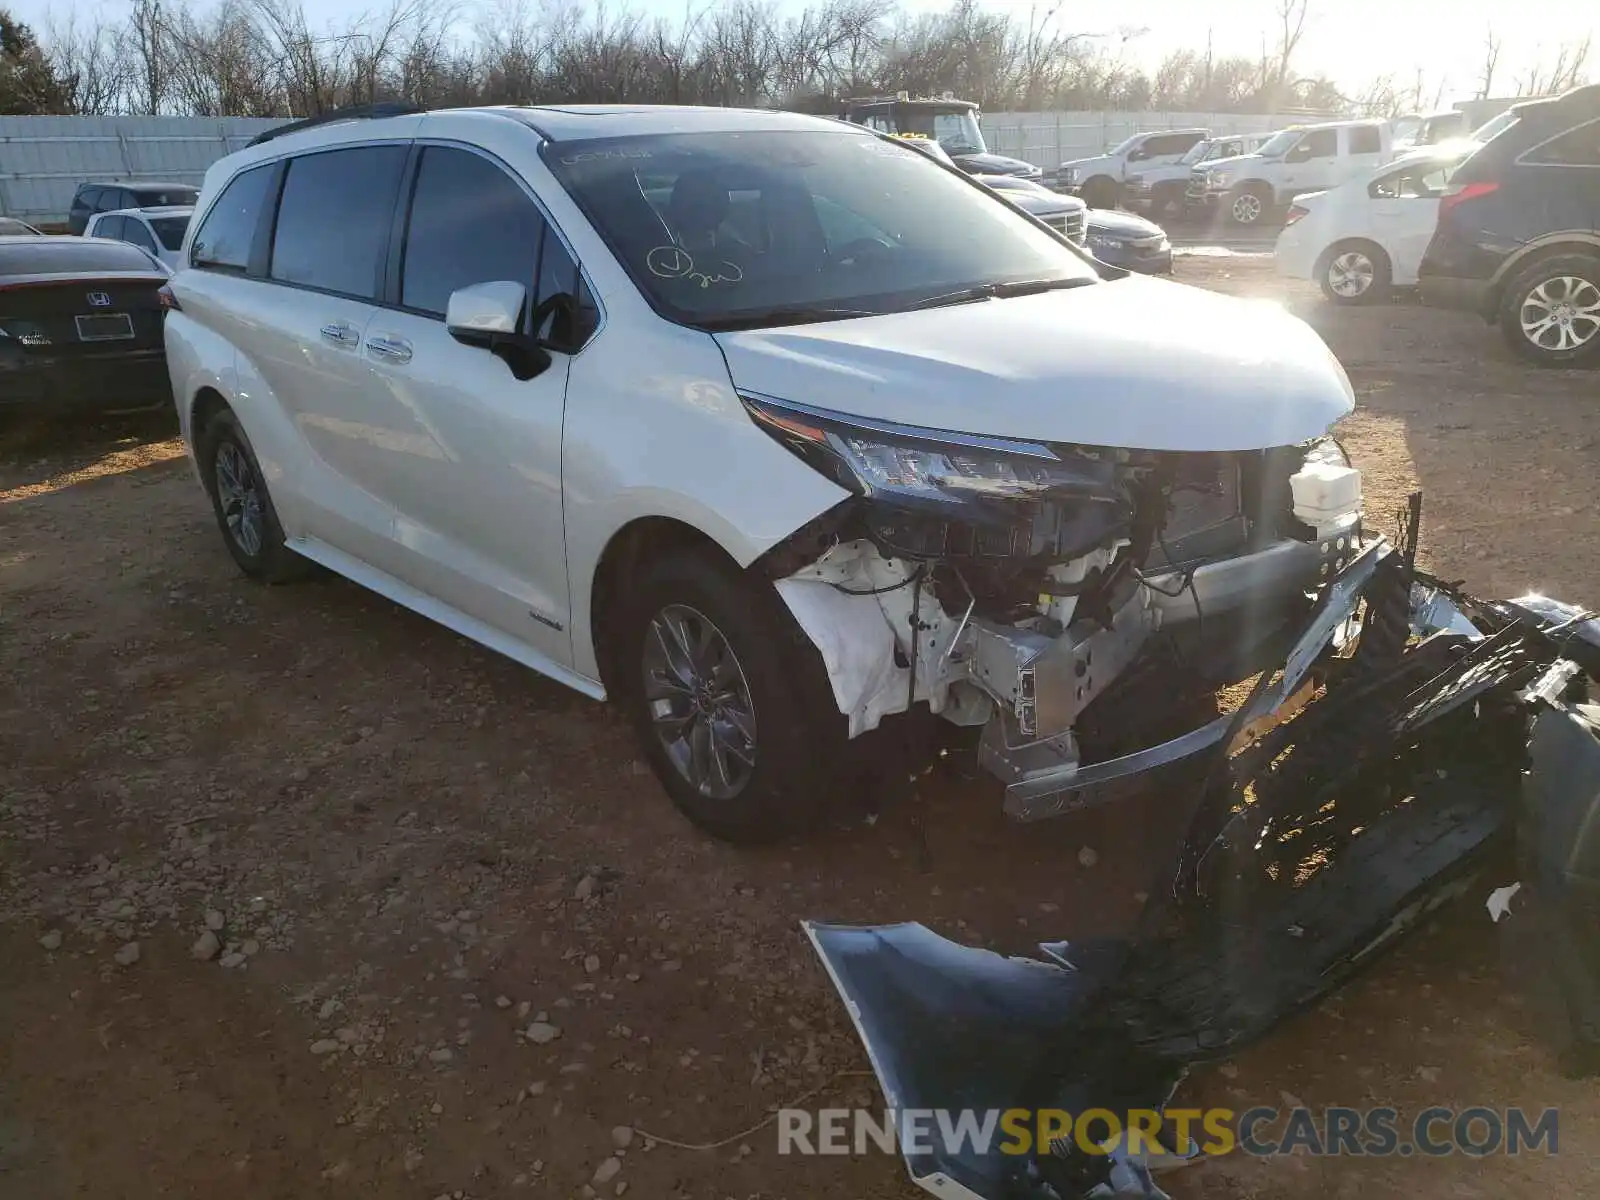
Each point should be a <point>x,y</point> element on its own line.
<point>1352,41</point>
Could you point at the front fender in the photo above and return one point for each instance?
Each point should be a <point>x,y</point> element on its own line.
<point>659,432</point>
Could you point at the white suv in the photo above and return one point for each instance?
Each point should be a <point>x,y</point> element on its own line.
<point>706,411</point>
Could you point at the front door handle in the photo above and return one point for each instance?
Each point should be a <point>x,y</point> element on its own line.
<point>396,350</point>
<point>340,333</point>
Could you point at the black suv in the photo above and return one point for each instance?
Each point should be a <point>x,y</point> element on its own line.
<point>1518,239</point>
<point>92,198</point>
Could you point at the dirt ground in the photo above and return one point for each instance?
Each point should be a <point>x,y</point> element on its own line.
<point>426,861</point>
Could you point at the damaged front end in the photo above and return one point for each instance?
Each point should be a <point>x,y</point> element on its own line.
<point>1012,585</point>
<point>1312,843</point>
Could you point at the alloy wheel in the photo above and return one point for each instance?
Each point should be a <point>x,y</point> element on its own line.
<point>1562,313</point>
<point>239,498</point>
<point>1350,274</point>
<point>1247,208</point>
<point>698,701</point>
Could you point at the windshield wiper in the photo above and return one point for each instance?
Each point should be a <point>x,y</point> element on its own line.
<point>767,317</point>
<point>1003,291</point>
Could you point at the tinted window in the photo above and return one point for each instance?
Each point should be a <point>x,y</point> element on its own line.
<point>71,256</point>
<point>333,220</point>
<point>87,198</point>
<point>1578,147</point>
<point>164,196</point>
<point>1365,139</point>
<point>110,227</point>
<point>1172,143</point>
<point>470,223</point>
<point>224,239</point>
<point>170,230</point>
<point>1319,143</point>
<point>116,198</point>
<point>134,231</point>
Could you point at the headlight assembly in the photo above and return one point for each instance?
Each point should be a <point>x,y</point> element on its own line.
<point>961,476</point>
<point>1220,178</point>
<point>1103,241</point>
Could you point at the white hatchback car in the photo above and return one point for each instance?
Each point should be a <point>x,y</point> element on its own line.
<point>157,231</point>
<point>764,426</point>
<point>1366,237</point>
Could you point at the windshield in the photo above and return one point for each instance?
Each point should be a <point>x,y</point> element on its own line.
<point>713,226</point>
<point>957,131</point>
<point>1124,146</point>
<point>1495,127</point>
<point>1278,144</point>
<point>170,230</point>
<point>1195,153</point>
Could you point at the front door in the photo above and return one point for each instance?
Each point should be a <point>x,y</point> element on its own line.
<point>472,458</point>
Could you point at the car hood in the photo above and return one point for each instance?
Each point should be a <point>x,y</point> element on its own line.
<point>1042,203</point>
<point>1134,363</point>
<point>1083,162</point>
<point>1231,162</point>
<point>1121,224</point>
<point>992,164</point>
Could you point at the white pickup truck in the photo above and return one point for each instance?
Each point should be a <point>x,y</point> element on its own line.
<point>1099,180</point>
<point>1158,189</point>
<point>1302,158</point>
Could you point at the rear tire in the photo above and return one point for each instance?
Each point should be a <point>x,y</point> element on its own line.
<point>242,504</point>
<point>1550,313</point>
<point>1355,273</point>
<point>742,731</point>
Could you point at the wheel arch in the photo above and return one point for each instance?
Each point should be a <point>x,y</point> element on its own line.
<point>1551,246</point>
<point>627,552</point>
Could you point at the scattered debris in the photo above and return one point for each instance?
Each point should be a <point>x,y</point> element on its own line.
<point>206,946</point>
<point>541,1033</point>
<point>51,940</point>
<point>128,955</point>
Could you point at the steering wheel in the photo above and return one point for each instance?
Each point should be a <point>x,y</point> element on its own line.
<point>862,248</point>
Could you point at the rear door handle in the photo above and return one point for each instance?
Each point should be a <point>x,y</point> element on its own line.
<point>396,350</point>
<point>340,333</point>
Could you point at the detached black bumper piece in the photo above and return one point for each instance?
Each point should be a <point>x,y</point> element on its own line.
<point>1308,853</point>
<point>124,381</point>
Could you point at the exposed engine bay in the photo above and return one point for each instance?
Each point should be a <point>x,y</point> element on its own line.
<point>1311,843</point>
<point>1011,585</point>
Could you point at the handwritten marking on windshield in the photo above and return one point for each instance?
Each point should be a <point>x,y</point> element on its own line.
<point>674,262</point>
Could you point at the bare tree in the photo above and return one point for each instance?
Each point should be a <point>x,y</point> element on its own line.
<point>1491,63</point>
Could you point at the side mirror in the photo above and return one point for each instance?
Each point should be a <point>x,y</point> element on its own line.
<point>489,315</point>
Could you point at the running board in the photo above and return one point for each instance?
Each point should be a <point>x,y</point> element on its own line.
<point>453,619</point>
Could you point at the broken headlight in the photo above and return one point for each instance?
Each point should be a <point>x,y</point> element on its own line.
<point>929,469</point>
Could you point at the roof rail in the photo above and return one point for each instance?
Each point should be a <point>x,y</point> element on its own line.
<point>356,112</point>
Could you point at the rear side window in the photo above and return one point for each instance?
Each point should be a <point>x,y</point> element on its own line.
<point>164,197</point>
<point>109,227</point>
<point>230,227</point>
<point>1172,143</point>
<point>470,223</point>
<point>333,219</point>
<point>1365,139</point>
<point>1578,147</point>
<point>170,230</point>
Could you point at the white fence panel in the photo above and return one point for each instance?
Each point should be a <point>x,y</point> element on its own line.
<point>44,159</point>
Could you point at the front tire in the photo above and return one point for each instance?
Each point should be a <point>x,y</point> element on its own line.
<point>1356,273</point>
<point>729,699</point>
<point>1550,313</point>
<point>1101,192</point>
<point>242,504</point>
<point>1250,205</point>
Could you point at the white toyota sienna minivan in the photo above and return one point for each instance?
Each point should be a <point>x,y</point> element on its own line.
<point>765,427</point>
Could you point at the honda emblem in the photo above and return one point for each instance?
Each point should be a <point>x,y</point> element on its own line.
<point>99,300</point>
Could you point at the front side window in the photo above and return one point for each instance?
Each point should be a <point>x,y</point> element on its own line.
<point>229,228</point>
<point>1578,147</point>
<point>666,206</point>
<point>134,231</point>
<point>333,219</point>
<point>1319,143</point>
<point>470,223</point>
